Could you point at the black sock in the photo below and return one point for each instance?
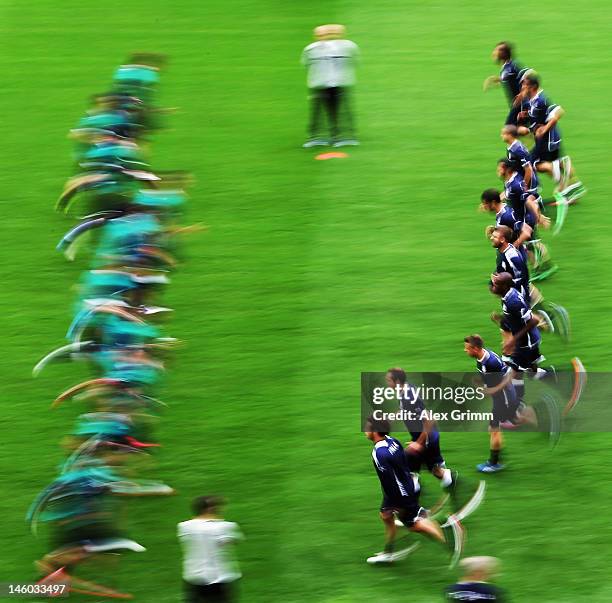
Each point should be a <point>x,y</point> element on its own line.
<point>389,547</point>
<point>494,458</point>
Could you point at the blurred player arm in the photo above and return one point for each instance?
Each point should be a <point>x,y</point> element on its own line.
<point>162,256</point>
<point>506,379</point>
<point>518,99</point>
<point>492,80</point>
<point>527,171</point>
<point>140,488</point>
<point>420,443</point>
<point>191,228</point>
<point>556,114</point>
<point>510,342</point>
<point>524,235</point>
<point>533,208</point>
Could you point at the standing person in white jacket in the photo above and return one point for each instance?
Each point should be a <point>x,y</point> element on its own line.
<point>209,569</point>
<point>330,62</point>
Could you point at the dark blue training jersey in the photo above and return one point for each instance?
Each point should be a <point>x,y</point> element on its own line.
<point>392,469</point>
<point>505,217</point>
<point>493,369</point>
<point>515,263</point>
<point>516,195</point>
<point>490,363</point>
<point>474,591</point>
<point>518,153</point>
<point>540,110</point>
<point>516,314</point>
<point>510,77</point>
<point>413,403</point>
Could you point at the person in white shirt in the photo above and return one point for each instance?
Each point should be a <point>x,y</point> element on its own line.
<point>330,62</point>
<point>209,568</point>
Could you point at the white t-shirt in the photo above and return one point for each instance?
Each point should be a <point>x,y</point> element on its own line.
<point>330,63</point>
<point>207,555</point>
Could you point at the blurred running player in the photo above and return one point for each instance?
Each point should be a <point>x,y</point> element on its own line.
<point>518,154</point>
<point>526,208</point>
<point>521,340</point>
<point>520,333</point>
<point>401,497</point>
<point>82,506</point>
<point>510,259</point>
<point>424,447</point>
<point>490,201</point>
<point>552,317</point>
<point>543,117</point>
<point>510,77</point>
<point>497,377</point>
<point>524,205</point>
<point>523,233</point>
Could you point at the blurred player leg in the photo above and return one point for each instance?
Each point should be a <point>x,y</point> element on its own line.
<point>332,104</point>
<point>314,126</point>
<point>347,123</point>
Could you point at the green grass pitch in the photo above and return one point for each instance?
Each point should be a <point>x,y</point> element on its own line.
<point>310,273</point>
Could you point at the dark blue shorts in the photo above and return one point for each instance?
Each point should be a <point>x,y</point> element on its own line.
<point>524,359</point>
<point>504,409</point>
<point>541,151</point>
<point>430,456</point>
<point>407,509</point>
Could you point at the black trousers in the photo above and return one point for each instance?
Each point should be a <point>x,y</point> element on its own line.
<point>222,592</point>
<point>335,103</point>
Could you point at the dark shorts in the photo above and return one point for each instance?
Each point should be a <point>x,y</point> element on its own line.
<point>524,359</point>
<point>541,152</point>
<point>431,457</point>
<point>407,509</point>
<point>504,409</point>
<point>222,592</point>
<point>65,537</point>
